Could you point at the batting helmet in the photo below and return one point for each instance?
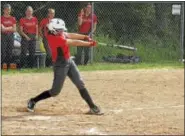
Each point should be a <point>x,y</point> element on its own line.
<point>57,24</point>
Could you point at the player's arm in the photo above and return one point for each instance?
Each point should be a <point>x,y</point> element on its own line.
<point>37,31</point>
<point>13,28</point>
<point>40,27</point>
<point>3,28</point>
<point>80,43</point>
<point>21,30</point>
<point>76,36</point>
<point>23,34</point>
<point>40,31</point>
<point>80,20</point>
<point>94,27</point>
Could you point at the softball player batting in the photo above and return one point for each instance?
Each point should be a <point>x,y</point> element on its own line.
<point>59,42</point>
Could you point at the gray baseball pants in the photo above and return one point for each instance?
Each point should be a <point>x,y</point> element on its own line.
<point>80,50</point>
<point>7,45</point>
<point>62,69</point>
<point>31,47</point>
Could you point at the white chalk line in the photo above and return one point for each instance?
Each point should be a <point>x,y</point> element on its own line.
<point>63,118</point>
<point>36,127</point>
<point>92,131</point>
<point>146,108</point>
<point>38,118</point>
<point>47,119</point>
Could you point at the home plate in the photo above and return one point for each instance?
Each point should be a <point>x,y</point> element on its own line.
<point>37,117</point>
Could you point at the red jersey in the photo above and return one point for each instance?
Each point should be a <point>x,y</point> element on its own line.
<point>8,22</point>
<point>29,25</point>
<point>58,42</point>
<point>87,23</point>
<point>43,24</point>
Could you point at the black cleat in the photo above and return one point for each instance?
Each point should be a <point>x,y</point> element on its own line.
<point>95,111</point>
<point>31,105</point>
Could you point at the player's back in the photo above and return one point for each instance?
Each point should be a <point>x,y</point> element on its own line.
<point>58,46</point>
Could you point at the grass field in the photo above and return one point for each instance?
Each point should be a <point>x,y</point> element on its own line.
<point>106,66</point>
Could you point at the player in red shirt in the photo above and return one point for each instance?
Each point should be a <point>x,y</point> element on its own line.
<point>29,32</point>
<point>8,27</point>
<point>59,42</point>
<point>43,33</point>
<point>85,27</point>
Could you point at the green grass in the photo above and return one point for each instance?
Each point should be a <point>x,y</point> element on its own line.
<point>107,66</point>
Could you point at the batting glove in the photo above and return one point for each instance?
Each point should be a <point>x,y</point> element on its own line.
<point>93,43</point>
<point>87,38</point>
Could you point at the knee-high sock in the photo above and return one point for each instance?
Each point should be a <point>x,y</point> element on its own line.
<point>85,95</point>
<point>42,96</point>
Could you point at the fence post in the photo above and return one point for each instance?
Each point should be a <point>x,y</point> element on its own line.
<point>92,25</point>
<point>182,32</point>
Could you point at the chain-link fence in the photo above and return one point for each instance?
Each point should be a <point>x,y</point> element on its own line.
<point>126,32</point>
<point>149,27</point>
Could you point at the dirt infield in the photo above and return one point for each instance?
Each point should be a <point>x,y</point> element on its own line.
<point>134,102</point>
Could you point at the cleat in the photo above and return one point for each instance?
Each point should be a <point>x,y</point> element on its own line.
<point>95,111</point>
<point>31,105</point>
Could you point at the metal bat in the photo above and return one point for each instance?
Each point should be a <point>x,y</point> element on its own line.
<point>119,46</point>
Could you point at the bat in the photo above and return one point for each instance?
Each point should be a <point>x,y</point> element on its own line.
<point>119,46</point>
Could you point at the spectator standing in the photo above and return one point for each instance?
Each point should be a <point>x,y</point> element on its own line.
<point>29,32</point>
<point>85,19</point>
<point>43,31</point>
<point>8,27</point>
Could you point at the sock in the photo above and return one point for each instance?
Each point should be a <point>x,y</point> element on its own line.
<point>85,95</point>
<point>42,96</point>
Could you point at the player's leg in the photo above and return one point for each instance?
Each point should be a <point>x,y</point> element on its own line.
<point>60,73</point>
<point>24,47</point>
<point>86,55</point>
<point>75,77</point>
<point>3,48</point>
<point>10,45</point>
<point>32,49</point>
<point>79,55</point>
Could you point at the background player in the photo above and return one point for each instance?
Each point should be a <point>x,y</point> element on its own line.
<point>29,32</point>
<point>59,42</point>
<point>85,19</point>
<point>8,27</point>
<point>43,33</point>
